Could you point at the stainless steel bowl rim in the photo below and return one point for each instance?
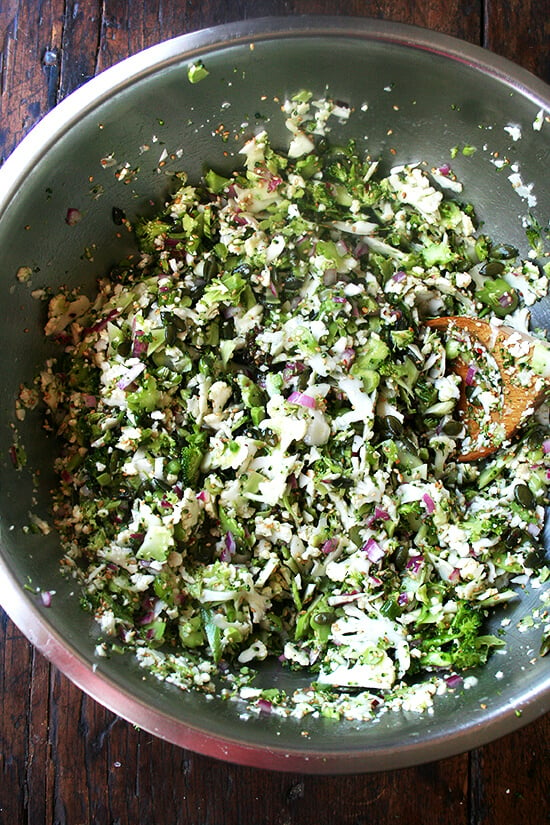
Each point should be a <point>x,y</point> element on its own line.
<point>29,618</point>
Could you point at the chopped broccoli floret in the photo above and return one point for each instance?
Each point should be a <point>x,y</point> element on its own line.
<point>148,231</point>
<point>191,458</point>
<point>460,645</point>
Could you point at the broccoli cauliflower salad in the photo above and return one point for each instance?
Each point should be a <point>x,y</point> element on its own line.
<point>261,438</point>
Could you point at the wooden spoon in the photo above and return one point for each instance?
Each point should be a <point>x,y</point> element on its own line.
<point>517,399</point>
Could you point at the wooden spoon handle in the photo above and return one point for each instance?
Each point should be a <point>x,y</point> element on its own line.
<point>518,399</point>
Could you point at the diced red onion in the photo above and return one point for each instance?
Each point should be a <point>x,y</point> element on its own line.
<point>506,299</point>
<point>102,323</point>
<point>415,563</point>
<point>229,548</point>
<point>264,706</point>
<point>273,183</point>
<point>429,502</point>
<point>330,545</point>
<point>73,216</point>
<point>339,299</point>
<point>403,599</point>
<point>378,515</point>
<point>455,575</point>
<point>302,399</point>
<point>373,550</point>
<point>348,357</point>
<point>546,446</point>
<point>361,249</point>
<point>399,276</point>
<point>470,375</point>
<point>273,288</point>
<point>453,681</point>
<point>139,345</point>
<point>291,369</point>
<point>153,609</point>
<point>46,598</point>
<point>130,376</point>
<point>444,169</point>
<point>298,366</point>
<point>202,496</point>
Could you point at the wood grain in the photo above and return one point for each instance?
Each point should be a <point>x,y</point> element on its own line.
<point>520,32</point>
<point>75,763</point>
<point>64,759</point>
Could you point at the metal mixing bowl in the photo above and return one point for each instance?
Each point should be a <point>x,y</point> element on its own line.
<point>426,93</point>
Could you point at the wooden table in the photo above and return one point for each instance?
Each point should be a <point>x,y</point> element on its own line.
<point>65,759</point>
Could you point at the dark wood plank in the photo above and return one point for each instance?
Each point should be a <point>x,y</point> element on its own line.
<point>520,32</point>
<point>157,21</point>
<point>509,781</point>
<point>82,31</point>
<point>16,660</point>
<point>64,759</point>
<point>39,767</point>
<point>30,40</point>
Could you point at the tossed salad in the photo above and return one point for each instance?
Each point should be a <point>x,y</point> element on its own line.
<point>260,433</point>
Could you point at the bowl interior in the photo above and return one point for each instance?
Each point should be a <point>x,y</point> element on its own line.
<point>117,143</point>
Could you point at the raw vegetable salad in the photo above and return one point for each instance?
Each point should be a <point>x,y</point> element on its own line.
<point>260,434</point>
